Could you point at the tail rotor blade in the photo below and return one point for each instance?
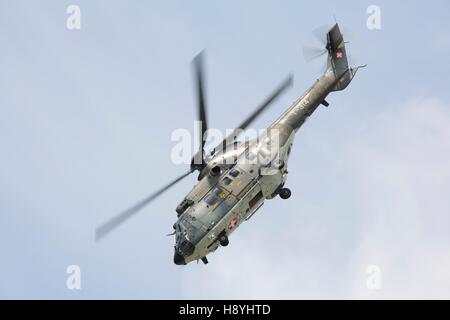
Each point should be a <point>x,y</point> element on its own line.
<point>311,53</point>
<point>348,34</point>
<point>113,223</point>
<point>320,33</point>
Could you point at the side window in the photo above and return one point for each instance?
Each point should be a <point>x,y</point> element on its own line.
<point>219,193</point>
<point>216,196</point>
<point>234,173</point>
<point>226,181</point>
<point>211,199</point>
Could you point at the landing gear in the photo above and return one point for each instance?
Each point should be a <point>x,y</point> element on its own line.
<point>285,193</point>
<point>223,239</point>
<point>204,260</point>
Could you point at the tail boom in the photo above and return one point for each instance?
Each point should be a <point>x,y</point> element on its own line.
<point>337,77</point>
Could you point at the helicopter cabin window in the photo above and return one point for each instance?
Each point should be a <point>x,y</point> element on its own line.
<point>234,173</point>
<point>219,193</point>
<point>211,199</point>
<point>216,196</point>
<point>226,181</point>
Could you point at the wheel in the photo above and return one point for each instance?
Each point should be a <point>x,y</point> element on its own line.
<point>223,240</point>
<point>285,193</point>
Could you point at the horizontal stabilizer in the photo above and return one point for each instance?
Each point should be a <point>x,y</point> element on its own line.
<point>345,80</point>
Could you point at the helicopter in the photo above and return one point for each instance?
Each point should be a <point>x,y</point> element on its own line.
<point>236,178</point>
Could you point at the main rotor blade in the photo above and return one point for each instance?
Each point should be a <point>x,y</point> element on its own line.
<point>271,98</point>
<point>201,99</point>
<point>113,223</point>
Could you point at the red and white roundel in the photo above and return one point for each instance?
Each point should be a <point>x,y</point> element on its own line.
<point>233,223</point>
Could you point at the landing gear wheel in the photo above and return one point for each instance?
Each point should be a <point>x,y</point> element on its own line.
<point>285,193</point>
<point>223,240</point>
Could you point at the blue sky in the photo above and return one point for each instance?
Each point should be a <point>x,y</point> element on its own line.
<point>86,119</point>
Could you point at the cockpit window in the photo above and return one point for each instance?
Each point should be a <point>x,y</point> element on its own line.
<point>186,224</point>
<point>234,173</point>
<point>226,181</point>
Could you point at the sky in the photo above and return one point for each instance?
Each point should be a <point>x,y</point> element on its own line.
<point>86,118</point>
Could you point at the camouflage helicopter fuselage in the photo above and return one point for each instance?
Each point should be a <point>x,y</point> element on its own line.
<point>236,181</point>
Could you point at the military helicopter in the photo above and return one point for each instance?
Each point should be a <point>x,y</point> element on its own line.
<point>235,178</point>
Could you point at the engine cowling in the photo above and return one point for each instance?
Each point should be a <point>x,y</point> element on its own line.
<point>182,207</point>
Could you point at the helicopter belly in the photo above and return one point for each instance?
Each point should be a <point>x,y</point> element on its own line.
<point>241,211</point>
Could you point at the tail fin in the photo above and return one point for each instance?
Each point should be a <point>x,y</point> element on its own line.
<point>337,59</point>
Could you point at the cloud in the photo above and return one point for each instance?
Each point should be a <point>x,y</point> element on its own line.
<point>440,41</point>
<point>399,173</point>
<point>403,176</point>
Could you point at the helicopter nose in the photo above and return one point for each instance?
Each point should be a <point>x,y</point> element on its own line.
<point>178,259</point>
